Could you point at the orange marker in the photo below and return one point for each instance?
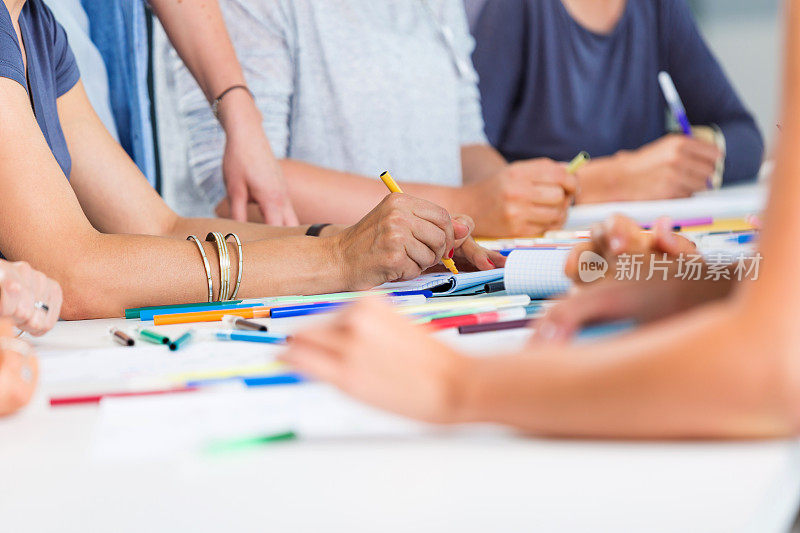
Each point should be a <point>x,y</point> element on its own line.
<point>210,316</point>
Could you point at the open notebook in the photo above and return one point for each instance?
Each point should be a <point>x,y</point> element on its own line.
<point>537,273</point>
<point>447,283</point>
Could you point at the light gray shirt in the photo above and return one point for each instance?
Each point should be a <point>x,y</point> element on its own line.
<point>358,86</point>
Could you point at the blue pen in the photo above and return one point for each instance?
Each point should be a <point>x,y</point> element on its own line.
<point>251,381</point>
<point>426,294</point>
<point>674,101</point>
<point>148,314</point>
<point>250,336</point>
<point>745,238</point>
<point>303,310</point>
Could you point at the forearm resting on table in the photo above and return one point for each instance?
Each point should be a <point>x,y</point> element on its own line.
<point>115,272</point>
<point>710,380</point>
<point>183,227</point>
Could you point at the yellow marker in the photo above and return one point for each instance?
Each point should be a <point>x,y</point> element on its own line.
<point>576,164</point>
<point>392,185</point>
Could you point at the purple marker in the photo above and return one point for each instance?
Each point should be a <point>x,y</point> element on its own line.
<point>676,106</point>
<point>674,101</point>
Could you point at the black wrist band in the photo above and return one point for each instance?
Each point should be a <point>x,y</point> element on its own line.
<point>218,99</point>
<point>316,229</point>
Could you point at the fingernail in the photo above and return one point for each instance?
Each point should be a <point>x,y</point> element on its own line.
<point>452,253</point>
<point>459,225</point>
<point>491,262</point>
<point>616,244</point>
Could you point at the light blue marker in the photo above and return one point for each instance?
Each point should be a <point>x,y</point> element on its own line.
<point>250,336</point>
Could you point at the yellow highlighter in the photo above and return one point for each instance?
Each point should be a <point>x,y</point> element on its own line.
<point>392,185</point>
<point>574,166</point>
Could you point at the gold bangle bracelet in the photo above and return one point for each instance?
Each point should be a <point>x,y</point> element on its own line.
<point>241,263</point>
<point>205,264</point>
<point>224,263</point>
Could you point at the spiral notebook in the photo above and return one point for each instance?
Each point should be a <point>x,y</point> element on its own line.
<point>446,283</point>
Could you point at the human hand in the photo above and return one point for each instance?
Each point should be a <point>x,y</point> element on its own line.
<point>525,198</point>
<point>359,353</point>
<point>470,255</point>
<point>674,166</point>
<point>18,371</point>
<point>249,168</point>
<point>641,301</point>
<point>399,239</point>
<point>620,235</point>
<point>21,288</point>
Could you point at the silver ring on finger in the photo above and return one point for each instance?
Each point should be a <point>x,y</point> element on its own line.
<point>39,305</point>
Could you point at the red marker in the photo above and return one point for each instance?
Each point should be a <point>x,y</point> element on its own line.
<point>95,398</point>
<point>490,317</point>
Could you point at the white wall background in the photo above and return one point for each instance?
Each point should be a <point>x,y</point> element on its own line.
<point>747,36</point>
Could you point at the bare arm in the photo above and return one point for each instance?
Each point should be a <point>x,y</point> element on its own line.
<point>112,243</point>
<point>197,30</point>
<point>479,162</point>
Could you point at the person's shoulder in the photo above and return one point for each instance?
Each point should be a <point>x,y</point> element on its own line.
<point>674,11</point>
<point>11,65</point>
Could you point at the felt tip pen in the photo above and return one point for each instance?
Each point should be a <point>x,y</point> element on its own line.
<point>392,185</point>
<point>223,306</point>
<point>152,336</point>
<point>250,336</point>
<point>237,322</point>
<point>491,317</point>
<point>578,162</point>
<point>497,286</point>
<point>674,102</point>
<point>270,380</point>
<point>497,326</point>
<point>234,445</point>
<point>181,341</point>
<point>120,337</point>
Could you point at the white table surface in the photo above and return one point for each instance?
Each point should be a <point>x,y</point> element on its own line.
<point>480,479</point>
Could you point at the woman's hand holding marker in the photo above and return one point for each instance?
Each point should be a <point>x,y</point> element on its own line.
<point>401,238</point>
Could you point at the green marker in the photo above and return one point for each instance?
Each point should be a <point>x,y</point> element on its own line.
<point>152,336</point>
<point>226,446</point>
<point>181,341</point>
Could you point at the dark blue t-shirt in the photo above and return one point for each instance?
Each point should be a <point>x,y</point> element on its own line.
<point>52,70</point>
<point>551,88</point>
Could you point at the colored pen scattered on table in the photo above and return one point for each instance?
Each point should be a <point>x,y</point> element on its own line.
<point>250,336</point>
<point>392,185</point>
<point>152,336</point>
<point>491,317</point>
<point>181,341</point>
<point>238,322</point>
<point>120,337</point>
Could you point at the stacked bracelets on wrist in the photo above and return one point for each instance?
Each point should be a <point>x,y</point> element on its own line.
<point>221,243</point>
